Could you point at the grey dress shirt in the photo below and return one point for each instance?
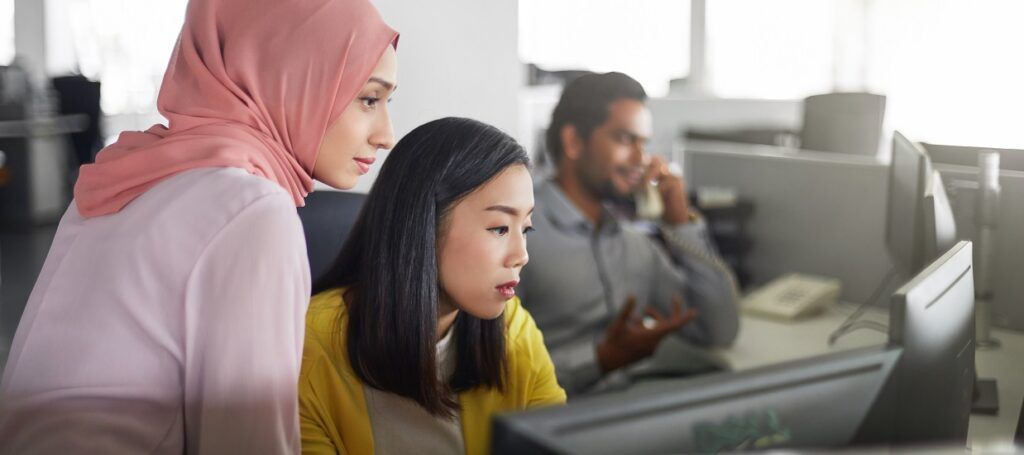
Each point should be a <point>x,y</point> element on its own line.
<point>579,277</point>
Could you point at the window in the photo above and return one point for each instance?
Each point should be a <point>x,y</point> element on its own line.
<point>125,44</point>
<point>951,69</point>
<point>647,39</point>
<point>769,49</point>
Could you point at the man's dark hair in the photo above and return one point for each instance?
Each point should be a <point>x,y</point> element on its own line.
<point>584,104</point>
<point>390,257</point>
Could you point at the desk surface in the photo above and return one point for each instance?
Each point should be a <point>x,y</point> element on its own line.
<point>764,342</point>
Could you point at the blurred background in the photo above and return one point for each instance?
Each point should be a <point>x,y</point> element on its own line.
<point>786,110</point>
<point>735,86</point>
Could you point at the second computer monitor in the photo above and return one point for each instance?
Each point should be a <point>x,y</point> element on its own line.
<point>919,219</point>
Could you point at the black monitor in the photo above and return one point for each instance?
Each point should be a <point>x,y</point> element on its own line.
<point>872,396</point>
<point>919,219</point>
<point>932,317</point>
<point>786,405</point>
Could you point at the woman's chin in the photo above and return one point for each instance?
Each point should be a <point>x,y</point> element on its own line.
<point>342,183</point>
<point>490,312</point>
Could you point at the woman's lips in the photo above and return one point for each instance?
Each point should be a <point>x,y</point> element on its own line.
<point>364,164</point>
<point>507,290</point>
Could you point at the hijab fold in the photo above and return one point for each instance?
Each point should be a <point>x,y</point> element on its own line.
<point>252,84</point>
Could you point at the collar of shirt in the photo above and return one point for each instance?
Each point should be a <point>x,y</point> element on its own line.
<point>564,214</point>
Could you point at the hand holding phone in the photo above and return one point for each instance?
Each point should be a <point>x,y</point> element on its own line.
<point>663,194</point>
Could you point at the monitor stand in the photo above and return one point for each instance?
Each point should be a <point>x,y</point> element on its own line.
<point>986,397</point>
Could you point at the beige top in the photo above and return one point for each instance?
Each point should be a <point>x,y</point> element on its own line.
<point>402,426</point>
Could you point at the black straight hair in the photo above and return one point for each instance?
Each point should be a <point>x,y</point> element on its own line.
<point>584,104</point>
<point>390,258</point>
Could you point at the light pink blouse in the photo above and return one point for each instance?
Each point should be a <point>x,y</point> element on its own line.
<point>172,326</point>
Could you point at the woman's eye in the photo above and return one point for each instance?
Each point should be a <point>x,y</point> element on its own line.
<point>528,230</point>
<point>500,230</point>
<point>370,101</point>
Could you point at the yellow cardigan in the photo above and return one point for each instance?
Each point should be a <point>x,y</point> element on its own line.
<point>332,407</point>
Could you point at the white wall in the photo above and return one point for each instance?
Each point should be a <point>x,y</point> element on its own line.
<point>455,58</point>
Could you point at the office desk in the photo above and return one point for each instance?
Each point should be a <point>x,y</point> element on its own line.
<point>763,342</point>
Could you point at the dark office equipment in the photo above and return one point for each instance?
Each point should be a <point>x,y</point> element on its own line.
<point>762,136</point>
<point>327,219</point>
<point>873,396</point>
<point>919,219</point>
<point>816,402</point>
<point>79,95</point>
<point>728,229</point>
<point>536,75</point>
<point>932,317</point>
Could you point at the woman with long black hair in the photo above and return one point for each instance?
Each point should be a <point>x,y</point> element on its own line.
<point>415,336</point>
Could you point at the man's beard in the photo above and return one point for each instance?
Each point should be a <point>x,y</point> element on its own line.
<point>600,185</point>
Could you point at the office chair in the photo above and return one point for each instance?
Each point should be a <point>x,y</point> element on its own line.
<point>327,219</point>
<point>843,123</point>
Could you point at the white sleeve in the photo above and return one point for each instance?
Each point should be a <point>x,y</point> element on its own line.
<point>244,326</point>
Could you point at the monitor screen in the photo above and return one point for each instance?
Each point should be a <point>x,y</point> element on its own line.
<point>916,390</point>
<point>816,402</point>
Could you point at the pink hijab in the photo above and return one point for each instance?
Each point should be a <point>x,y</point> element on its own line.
<point>252,84</point>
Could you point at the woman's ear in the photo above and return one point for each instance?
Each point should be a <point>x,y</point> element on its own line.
<point>572,143</point>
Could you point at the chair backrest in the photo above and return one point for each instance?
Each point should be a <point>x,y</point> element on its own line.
<point>327,219</point>
<point>843,123</point>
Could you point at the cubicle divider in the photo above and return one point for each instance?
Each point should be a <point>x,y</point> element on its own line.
<point>816,213</point>
<point>824,214</point>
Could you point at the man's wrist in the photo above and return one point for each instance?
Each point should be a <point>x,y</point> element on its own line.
<point>679,219</point>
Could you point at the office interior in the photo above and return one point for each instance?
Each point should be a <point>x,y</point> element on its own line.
<point>789,109</point>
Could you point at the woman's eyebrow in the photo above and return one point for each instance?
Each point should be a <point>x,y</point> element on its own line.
<point>389,86</point>
<point>506,209</point>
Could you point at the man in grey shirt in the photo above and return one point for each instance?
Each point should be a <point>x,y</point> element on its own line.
<point>611,300</point>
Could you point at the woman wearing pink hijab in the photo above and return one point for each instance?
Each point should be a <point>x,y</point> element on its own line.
<point>168,317</point>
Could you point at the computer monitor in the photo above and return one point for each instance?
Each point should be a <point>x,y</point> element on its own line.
<point>786,405</point>
<point>932,317</point>
<point>919,219</point>
<point>911,391</point>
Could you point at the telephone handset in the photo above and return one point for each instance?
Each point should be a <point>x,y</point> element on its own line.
<point>648,203</point>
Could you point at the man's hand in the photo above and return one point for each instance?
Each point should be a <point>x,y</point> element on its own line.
<point>672,189</point>
<point>630,339</point>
